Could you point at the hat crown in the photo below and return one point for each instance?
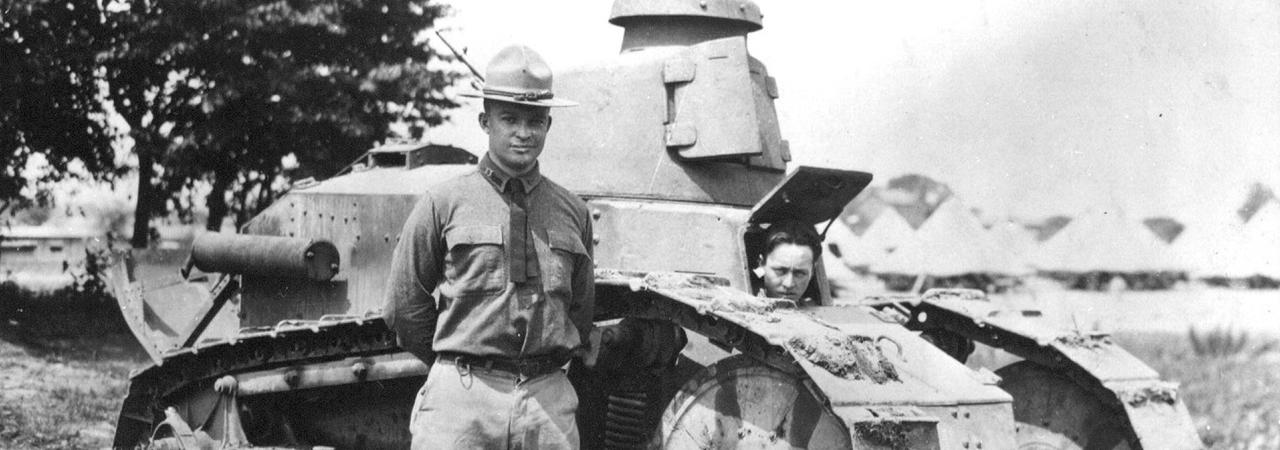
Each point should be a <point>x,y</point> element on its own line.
<point>517,74</point>
<point>518,69</point>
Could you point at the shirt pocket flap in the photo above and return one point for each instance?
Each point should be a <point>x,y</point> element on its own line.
<point>568,242</point>
<point>474,235</point>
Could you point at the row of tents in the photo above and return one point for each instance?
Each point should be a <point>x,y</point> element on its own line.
<point>1098,249</point>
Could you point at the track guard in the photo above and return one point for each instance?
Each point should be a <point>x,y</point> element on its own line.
<point>862,371</point>
<point>1156,414</point>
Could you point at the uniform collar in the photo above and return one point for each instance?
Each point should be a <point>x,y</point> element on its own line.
<point>499,177</point>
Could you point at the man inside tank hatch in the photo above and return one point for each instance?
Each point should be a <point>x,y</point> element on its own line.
<point>785,264</point>
<point>507,254</point>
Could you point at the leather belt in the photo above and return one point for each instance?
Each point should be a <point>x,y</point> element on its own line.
<point>529,367</point>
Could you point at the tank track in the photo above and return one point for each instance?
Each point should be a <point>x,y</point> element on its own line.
<point>288,343</point>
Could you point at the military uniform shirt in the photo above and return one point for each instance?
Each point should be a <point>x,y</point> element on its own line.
<point>457,239</point>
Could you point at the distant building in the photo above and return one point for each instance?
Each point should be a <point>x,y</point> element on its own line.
<point>42,252</point>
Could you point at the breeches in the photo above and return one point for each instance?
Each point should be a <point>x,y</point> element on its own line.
<point>465,408</point>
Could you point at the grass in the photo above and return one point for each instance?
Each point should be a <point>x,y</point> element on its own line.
<point>65,360</point>
<point>1230,382</point>
<point>65,357</point>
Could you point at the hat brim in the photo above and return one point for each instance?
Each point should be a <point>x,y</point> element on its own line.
<point>549,102</point>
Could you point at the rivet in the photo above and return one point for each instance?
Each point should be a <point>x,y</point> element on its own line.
<point>966,445</point>
<point>360,370</point>
<point>703,4</point>
<point>291,378</point>
<point>595,214</point>
<point>742,7</point>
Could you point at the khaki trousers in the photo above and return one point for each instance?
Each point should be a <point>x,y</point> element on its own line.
<point>463,408</point>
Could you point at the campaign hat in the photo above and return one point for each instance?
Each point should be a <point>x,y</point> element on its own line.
<point>517,74</point>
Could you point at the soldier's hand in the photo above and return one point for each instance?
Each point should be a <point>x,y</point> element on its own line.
<point>593,347</point>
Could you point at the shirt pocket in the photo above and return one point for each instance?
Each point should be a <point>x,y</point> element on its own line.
<point>476,263</point>
<point>566,249</point>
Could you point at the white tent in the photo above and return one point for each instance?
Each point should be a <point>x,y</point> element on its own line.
<point>1208,248</point>
<point>950,243</point>
<point>1106,240</point>
<point>842,239</point>
<point>1258,249</point>
<point>1014,238</point>
<point>838,235</point>
<point>853,250</point>
<point>882,237</point>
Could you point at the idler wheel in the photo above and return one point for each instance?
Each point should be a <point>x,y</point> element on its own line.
<point>1054,413</point>
<point>739,402</point>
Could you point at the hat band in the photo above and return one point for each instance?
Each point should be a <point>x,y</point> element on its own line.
<point>544,94</point>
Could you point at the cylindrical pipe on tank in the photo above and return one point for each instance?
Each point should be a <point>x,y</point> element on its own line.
<point>265,256</point>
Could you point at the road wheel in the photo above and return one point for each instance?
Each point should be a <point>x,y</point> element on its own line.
<point>1055,413</point>
<point>739,402</point>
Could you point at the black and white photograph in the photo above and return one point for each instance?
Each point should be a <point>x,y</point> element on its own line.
<point>639,224</point>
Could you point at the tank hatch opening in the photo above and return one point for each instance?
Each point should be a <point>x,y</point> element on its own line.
<point>410,156</point>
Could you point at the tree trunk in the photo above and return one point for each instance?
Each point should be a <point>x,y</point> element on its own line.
<point>143,211</point>
<point>217,199</point>
<point>242,207</point>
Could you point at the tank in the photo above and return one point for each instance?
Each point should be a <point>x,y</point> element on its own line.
<point>272,337</point>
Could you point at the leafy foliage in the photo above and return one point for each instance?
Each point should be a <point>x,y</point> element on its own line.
<point>218,91</point>
<point>221,90</point>
<point>1225,342</point>
<point>50,93</point>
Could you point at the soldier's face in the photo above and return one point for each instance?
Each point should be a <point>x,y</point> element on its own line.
<point>516,134</point>
<point>787,270</point>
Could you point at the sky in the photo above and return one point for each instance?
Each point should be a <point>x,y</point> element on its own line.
<point>1160,107</point>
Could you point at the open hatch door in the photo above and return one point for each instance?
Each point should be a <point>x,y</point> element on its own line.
<point>810,194</point>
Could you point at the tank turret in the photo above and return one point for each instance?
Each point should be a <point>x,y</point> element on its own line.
<point>683,23</point>
<point>684,106</point>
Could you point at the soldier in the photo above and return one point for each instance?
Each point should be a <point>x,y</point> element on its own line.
<point>510,254</point>
<point>786,264</point>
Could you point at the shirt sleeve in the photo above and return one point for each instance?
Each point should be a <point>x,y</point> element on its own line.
<point>584,287</point>
<point>410,310</point>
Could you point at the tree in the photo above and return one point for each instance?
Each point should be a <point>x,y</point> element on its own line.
<point>50,102</point>
<point>221,91</point>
